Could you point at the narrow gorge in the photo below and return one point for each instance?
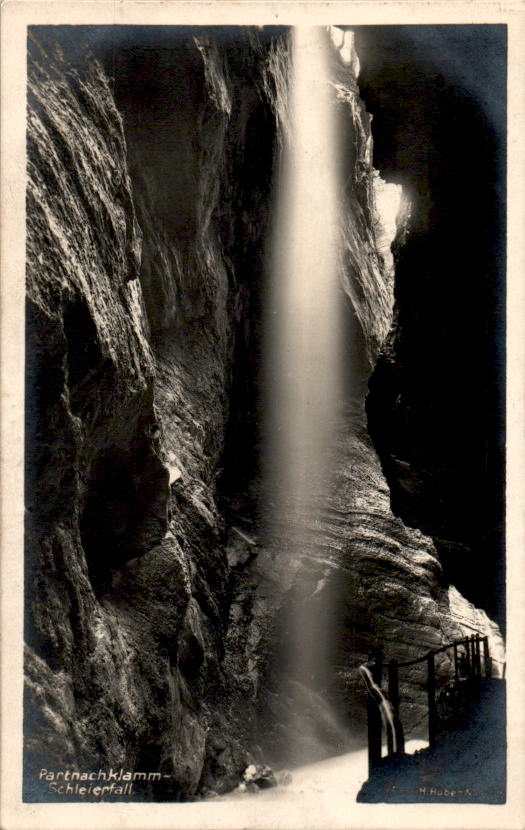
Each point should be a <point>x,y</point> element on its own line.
<point>164,569</point>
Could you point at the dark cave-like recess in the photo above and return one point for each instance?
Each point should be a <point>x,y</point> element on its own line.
<point>125,513</point>
<point>436,400</point>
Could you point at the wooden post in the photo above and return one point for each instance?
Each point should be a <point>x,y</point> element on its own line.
<point>478,655</point>
<point>486,657</point>
<point>467,655</point>
<point>456,668</point>
<point>393,694</point>
<point>475,646</point>
<point>374,717</point>
<point>431,692</point>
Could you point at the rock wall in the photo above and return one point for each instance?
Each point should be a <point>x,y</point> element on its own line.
<point>437,398</point>
<point>133,298</point>
<point>156,612</point>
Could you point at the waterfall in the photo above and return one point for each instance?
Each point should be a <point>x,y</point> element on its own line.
<point>385,707</point>
<point>303,353</point>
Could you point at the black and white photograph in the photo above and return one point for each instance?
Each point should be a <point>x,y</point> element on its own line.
<point>265,420</point>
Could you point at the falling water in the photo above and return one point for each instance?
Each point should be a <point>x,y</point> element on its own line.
<point>385,707</point>
<point>304,342</point>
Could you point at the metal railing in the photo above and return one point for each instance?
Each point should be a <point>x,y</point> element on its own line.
<point>472,662</point>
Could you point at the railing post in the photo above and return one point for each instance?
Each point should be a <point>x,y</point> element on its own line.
<point>393,694</point>
<point>431,691</point>
<point>456,668</point>
<point>486,657</point>
<point>374,716</point>
<point>478,655</point>
<point>475,656</point>
<point>467,656</point>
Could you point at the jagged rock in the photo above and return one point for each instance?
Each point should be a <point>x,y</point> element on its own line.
<point>130,329</point>
<point>261,775</point>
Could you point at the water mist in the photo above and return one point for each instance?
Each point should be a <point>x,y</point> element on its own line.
<point>303,350</point>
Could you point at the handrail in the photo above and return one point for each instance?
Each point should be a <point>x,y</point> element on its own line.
<point>438,651</point>
<point>475,657</point>
<point>425,656</point>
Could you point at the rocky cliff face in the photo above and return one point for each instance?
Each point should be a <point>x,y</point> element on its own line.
<point>133,299</point>
<point>157,614</point>
<point>436,405</point>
